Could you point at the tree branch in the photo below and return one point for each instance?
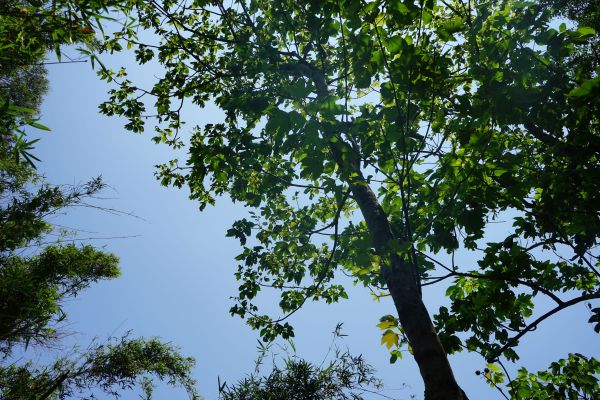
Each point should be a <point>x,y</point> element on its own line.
<point>514,340</point>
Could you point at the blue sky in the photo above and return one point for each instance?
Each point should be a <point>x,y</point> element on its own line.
<point>178,265</point>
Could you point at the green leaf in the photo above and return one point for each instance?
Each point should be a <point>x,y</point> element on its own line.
<point>395,355</point>
<point>395,43</point>
<point>39,126</point>
<point>330,105</point>
<point>21,109</point>
<point>586,32</point>
<point>586,88</point>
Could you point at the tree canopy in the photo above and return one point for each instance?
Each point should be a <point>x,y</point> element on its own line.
<point>382,139</point>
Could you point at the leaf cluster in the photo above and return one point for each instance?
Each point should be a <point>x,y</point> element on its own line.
<point>346,378</point>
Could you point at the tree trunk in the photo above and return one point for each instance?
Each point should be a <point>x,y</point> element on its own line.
<point>401,279</point>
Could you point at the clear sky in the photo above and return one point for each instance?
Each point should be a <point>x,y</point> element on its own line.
<point>178,265</point>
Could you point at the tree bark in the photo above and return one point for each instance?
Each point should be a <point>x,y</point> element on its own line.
<point>401,279</point>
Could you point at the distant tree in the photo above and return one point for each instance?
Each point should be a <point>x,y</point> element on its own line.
<point>24,85</point>
<point>35,278</point>
<point>347,378</point>
<point>35,282</point>
<point>111,368</point>
<point>340,376</point>
<point>377,138</point>
<point>34,285</point>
